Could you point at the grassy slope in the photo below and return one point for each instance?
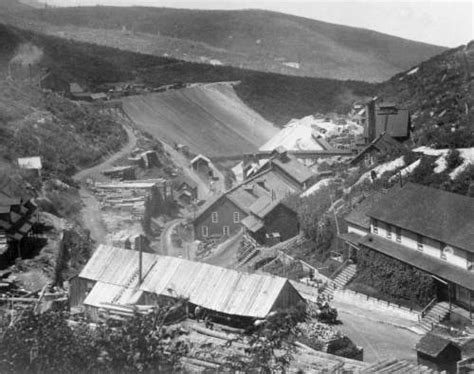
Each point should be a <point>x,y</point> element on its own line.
<point>259,40</point>
<point>66,135</point>
<point>277,98</point>
<point>438,93</point>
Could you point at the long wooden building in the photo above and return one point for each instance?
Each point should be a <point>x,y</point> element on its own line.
<point>116,276</point>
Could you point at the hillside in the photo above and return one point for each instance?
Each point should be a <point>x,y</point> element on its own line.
<point>210,119</point>
<point>253,39</point>
<point>278,98</point>
<point>66,135</point>
<point>440,94</point>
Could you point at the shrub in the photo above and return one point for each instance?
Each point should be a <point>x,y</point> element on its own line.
<point>394,278</point>
<point>344,347</point>
<point>453,159</point>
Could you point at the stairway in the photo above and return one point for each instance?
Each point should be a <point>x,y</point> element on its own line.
<point>249,248</point>
<point>397,366</point>
<point>437,313</point>
<point>341,280</point>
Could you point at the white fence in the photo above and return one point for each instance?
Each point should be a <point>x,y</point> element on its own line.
<point>368,302</point>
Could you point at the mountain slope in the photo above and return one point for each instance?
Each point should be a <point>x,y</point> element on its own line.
<point>66,135</point>
<point>277,98</point>
<point>440,94</point>
<point>259,40</point>
<point>209,118</point>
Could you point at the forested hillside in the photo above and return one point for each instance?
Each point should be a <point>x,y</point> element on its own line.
<point>278,98</point>
<point>252,39</point>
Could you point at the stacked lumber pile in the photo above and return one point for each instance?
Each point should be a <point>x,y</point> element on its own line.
<point>124,196</point>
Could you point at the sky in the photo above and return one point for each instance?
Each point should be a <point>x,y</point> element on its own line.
<point>446,23</point>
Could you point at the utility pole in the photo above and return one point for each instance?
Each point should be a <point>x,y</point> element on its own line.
<point>139,259</point>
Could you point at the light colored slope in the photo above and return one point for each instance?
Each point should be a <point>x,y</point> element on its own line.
<point>209,118</point>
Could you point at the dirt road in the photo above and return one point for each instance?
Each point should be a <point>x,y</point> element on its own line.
<point>95,171</point>
<point>166,243</point>
<point>91,211</point>
<point>225,255</point>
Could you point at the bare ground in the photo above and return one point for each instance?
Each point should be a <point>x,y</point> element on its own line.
<point>209,118</point>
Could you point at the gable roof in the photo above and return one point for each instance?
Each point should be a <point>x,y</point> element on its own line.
<point>200,157</point>
<point>358,216</point>
<point>432,345</point>
<point>294,169</point>
<point>440,215</point>
<point>212,287</point>
<point>215,288</point>
<point>244,195</point>
<point>116,266</point>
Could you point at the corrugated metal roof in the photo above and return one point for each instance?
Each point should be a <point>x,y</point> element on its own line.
<point>116,266</point>
<point>215,288</point>
<point>212,287</point>
<point>103,293</point>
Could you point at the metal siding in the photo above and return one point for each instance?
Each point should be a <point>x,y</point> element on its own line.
<point>116,266</point>
<point>219,289</point>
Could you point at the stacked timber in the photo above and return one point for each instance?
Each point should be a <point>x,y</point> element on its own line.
<point>127,196</point>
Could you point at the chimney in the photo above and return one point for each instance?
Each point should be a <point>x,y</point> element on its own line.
<point>371,133</point>
<point>140,258</point>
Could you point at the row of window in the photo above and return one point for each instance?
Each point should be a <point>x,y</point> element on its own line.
<point>398,238</point>
<point>398,231</point>
<point>215,217</point>
<point>205,231</point>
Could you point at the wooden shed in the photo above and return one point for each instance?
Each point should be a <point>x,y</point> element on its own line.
<point>230,295</point>
<point>438,353</point>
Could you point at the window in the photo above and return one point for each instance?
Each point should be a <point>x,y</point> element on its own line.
<point>419,242</point>
<point>398,234</point>
<point>236,217</point>
<point>389,231</point>
<point>225,230</point>
<point>214,217</point>
<point>375,226</point>
<point>204,231</point>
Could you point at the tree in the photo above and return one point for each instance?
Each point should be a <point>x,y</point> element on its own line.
<point>46,343</point>
<point>271,345</point>
<point>453,159</point>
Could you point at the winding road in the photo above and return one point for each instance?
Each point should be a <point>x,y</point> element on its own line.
<point>91,215</point>
<point>95,171</point>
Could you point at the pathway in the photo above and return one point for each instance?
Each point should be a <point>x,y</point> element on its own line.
<point>107,164</point>
<point>91,215</point>
<point>166,243</point>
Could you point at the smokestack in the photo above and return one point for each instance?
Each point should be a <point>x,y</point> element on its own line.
<point>371,120</point>
<point>140,260</point>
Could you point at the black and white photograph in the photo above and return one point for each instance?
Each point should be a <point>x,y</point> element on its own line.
<point>236,186</point>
